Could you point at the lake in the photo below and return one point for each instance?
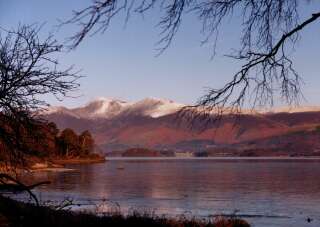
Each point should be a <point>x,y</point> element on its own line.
<point>265,192</point>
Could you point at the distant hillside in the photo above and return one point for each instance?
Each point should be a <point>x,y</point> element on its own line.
<point>140,152</point>
<point>154,124</point>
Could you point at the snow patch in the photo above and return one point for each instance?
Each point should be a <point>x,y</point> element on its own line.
<point>107,108</point>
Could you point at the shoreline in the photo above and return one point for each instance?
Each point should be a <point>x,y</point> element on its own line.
<point>16,213</point>
<point>59,164</point>
<point>52,164</point>
<point>219,158</point>
<point>61,161</point>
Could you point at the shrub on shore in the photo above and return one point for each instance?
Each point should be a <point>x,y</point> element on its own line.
<point>21,214</point>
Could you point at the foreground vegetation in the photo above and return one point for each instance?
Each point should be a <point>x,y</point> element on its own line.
<point>13,213</point>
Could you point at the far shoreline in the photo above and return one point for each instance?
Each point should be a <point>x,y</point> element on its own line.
<point>57,165</point>
<point>78,161</point>
<point>218,158</point>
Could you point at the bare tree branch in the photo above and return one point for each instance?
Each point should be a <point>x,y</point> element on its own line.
<point>28,70</point>
<point>18,186</point>
<point>270,30</point>
<point>269,69</point>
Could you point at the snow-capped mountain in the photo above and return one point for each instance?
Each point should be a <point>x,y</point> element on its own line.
<point>153,123</point>
<point>107,108</point>
<point>153,107</point>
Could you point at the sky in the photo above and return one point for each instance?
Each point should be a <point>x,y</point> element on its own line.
<point>122,62</point>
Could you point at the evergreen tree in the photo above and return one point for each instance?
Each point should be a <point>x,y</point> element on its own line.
<point>86,142</point>
<point>68,142</point>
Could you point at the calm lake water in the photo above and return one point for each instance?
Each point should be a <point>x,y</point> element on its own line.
<point>266,192</point>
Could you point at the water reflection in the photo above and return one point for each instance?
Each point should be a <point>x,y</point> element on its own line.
<point>275,188</point>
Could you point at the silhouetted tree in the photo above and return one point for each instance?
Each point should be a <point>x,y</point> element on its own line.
<point>53,129</point>
<point>69,142</point>
<point>28,70</point>
<point>86,143</point>
<point>270,30</point>
<point>51,132</point>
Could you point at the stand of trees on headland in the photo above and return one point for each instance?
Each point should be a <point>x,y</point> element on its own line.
<point>46,140</point>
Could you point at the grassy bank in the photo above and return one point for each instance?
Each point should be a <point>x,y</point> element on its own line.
<point>13,213</point>
<point>31,163</point>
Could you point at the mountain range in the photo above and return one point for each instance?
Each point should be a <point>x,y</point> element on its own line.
<point>154,123</point>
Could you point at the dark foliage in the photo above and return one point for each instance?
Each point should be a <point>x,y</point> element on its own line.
<point>46,141</point>
<point>70,144</point>
<point>28,70</point>
<point>86,142</point>
<point>19,214</point>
